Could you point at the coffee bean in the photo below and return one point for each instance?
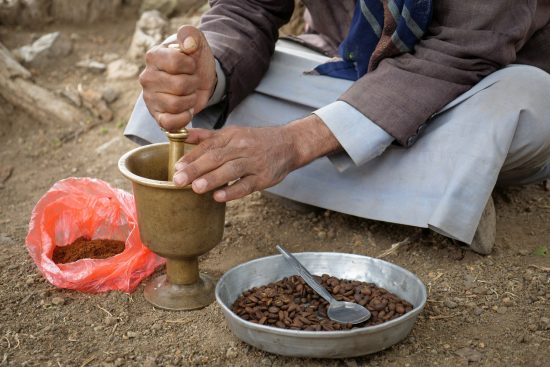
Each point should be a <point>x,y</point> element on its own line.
<point>291,304</point>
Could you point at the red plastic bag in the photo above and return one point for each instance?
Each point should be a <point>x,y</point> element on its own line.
<point>86,207</point>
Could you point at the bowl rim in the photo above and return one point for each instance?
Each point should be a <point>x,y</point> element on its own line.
<point>324,334</point>
<point>123,168</point>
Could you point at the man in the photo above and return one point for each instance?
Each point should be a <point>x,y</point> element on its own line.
<point>420,138</point>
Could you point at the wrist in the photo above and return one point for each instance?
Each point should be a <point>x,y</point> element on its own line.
<point>311,139</point>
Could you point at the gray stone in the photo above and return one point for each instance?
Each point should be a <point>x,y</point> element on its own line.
<point>45,49</point>
<point>122,69</point>
<point>109,94</point>
<point>92,65</point>
<point>58,301</point>
<point>469,354</point>
<point>165,7</point>
<point>72,95</point>
<point>478,311</point>
<point>231,353</point>
<point>150,31</point>
<point>450,304</point>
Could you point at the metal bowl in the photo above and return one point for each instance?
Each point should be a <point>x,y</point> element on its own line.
<point>322,344</point>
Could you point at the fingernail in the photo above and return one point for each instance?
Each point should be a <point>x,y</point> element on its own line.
<point>189,44</point>
<point>180,179</point>
<point>180,166</point>
<point>220,196</point>
<point>191,111</point>
<point>199,185</point>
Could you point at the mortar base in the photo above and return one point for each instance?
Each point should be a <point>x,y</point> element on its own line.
<point>175,297</point>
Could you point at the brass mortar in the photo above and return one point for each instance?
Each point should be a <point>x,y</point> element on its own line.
<point>175,223</point>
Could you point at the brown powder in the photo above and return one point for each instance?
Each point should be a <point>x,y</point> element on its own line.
<point>84,248</point>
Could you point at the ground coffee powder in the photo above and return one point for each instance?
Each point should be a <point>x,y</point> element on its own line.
<point>291,304</point>
<point>84,248</point>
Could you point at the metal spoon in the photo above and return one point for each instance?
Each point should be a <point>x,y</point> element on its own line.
<point>339,311</point>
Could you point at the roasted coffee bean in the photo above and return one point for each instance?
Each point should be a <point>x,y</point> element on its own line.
<point>291,304</point>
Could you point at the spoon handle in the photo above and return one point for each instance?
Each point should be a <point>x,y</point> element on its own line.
<point>305,274</point>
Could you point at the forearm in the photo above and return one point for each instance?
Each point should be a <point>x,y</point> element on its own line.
<point>311,139</point>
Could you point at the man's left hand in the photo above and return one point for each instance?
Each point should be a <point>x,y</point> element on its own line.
<point>253,158</point>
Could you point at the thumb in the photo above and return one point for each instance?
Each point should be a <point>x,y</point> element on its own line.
<point>190,39</point>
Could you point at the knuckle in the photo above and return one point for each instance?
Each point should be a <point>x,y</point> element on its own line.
<point>216,155</point>
<point>150,55</point>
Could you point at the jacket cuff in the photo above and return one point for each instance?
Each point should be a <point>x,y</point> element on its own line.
<point>219,91</point>
<point>361,139</point>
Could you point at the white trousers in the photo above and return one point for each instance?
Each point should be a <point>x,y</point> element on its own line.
<point>497,131</point>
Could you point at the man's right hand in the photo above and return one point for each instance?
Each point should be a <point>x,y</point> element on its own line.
<point>177,84</point>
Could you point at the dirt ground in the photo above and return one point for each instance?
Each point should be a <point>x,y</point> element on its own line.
<point>487,311</point>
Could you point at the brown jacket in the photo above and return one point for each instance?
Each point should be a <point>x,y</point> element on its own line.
<point>467,40</point>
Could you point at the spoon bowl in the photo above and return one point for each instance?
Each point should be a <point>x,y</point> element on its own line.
<point>339,311</point>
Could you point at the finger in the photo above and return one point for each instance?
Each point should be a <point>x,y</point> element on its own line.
<point>190,39</point>
<point>168,103</point>
<point>241,188</point>
<point>227,172</point>
<point>199,162</point>
<point>197,135</point>
<point>169,60</point>
<point>173,122</point>
<point>177,84</point>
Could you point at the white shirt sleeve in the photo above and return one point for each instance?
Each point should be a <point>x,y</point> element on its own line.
<point>361,139</point>
<point>219,91</point>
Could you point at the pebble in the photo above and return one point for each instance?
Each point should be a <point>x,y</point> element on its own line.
<point>502,310</point>
<point>450,304</point>
<point>150,362</point>
<point>266,362</point>
<point>523,252</point>
<point>29,281</point>
<point>532,327</point>
<point>110,320</point>
<point>231,353</point>
<point>469,281</point>
<point>506,301</point>
<point>322,235</point>
<point>119,362</point>
<point>92,65</point>
<point>109,94</point>
<point>131,334</point>
<point>480,290</point>
<point>469,354</point>
<point>121,69</point>
<point>545,323</point>
<point>58,301</point>
<point>478,311</point>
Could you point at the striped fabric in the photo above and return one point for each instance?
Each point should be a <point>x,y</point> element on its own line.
<point>379,29</point>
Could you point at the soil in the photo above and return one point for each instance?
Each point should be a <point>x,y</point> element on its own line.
<point>482,310</point>
<point>84,248</point>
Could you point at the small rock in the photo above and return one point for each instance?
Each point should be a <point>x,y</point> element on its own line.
<point>469,281</point>
<point>110,56</point>
<point>98,328</point>
<point>72,95</point>
<point>119,362</point>
<point>45,49</point>
<point>478,311</point>
<point>479,290</point>
<point>532,327</point>
<point>122,69</point>
<point>469,354</point>
<point>58,301</point>
<point>132,334</point>
<point>165,7</point>
<point>92,65</point>
<point>450,304</point>
<point>150,30</point>
<point>109,94</point>
<point>502,310</point>
<point>29,281</point>
<point>507,301</point>
<point>94,102</point>
<point>266,362</point>
<point>231,353</point>
<point>322,235</point>
<point>150,362</point>
<point>523,252</point>
<point>110,320</point>
<point>545,323</point>
<point>227,224</point>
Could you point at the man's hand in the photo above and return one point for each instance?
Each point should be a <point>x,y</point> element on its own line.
<point>178,84</point>
<point>257,158</point>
